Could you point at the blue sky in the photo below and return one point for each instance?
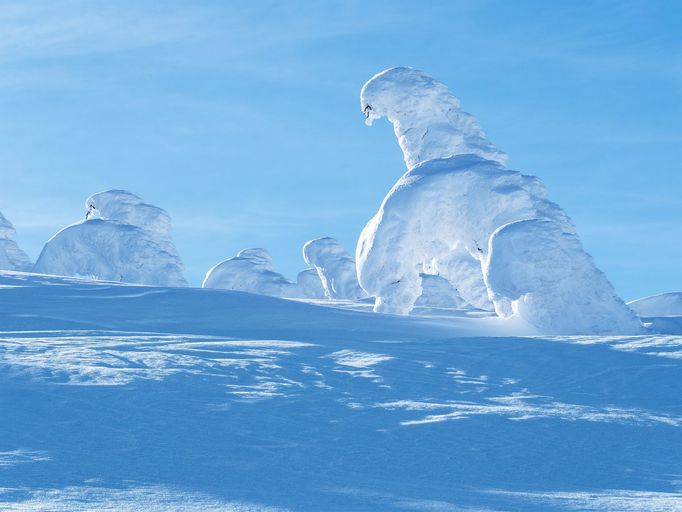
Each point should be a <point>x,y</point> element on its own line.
<point>242,119</point>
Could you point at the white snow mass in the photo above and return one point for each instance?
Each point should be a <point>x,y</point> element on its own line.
<point>665,304</point>
<point>426,117</point>
<point>335,267</point>
<point>441,215</point>
<point>11,256</point>
<point>309,284</point>
<point>122,239</point>
<point>250,271</point>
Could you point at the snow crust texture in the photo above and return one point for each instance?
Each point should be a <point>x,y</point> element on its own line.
<point>124,239</point>
<point>335,267</point>
<point>11,256</point>
<point>250,271</point>
<point>456,214</point>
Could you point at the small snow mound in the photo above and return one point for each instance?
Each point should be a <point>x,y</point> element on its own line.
<point>335,267</point>
<point>539,272</point>
<point>250,271</point>
<point>122,239</point>
<point>11,256</point>
<point>426,117</point>
<point>665,304</point>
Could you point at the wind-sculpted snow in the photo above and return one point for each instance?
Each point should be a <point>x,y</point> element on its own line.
<point>250,271</point>
<point>147,498</point>
<point>123,239</point>
<point>126,398</point>
<point>335,267</point>
<point>11,256</point>
<point>427,118</point>
<point>457,207</point>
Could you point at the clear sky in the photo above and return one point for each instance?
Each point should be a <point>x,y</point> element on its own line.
<point>242,119</point>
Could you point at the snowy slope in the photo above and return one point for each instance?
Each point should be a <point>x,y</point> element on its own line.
<point>128,398</point>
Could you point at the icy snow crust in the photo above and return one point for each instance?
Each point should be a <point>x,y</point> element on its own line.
<point>440,218</point>
<point>11,256</point>
<point>250,271</point>
<point>335,267</point>
<point>124,240</point>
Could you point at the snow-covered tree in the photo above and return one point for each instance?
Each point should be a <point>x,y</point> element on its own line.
<point>441,215</point>
<point>250,271</point>
<point>122,239</point>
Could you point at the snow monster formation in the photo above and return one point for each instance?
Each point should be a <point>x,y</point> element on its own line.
<point>121,239</point>
<point>335,267</point>
<point>250,271</point>
<point>11,256</point>
<point>459,213</point>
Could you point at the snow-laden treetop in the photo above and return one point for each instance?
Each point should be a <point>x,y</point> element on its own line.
<point>125,207</point>
<point>426,117</point>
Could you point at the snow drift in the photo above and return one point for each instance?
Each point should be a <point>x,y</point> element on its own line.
<point>250,271</point>
<point>665,304</point>
<point>335,267</point>
<point>11,256</point>
<point>441,216</point>
<point>123,239</point>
